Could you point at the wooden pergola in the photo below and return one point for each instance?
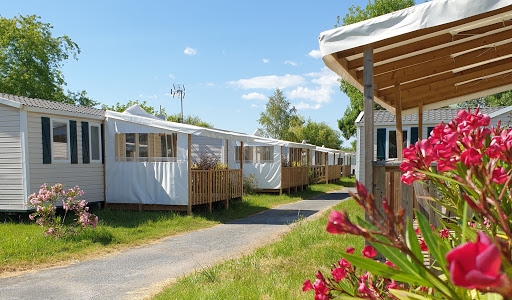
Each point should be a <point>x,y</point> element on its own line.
<point>427,56</point>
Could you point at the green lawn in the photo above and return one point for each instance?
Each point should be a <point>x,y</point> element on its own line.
<point>23,246</point>
<point>276,271</point>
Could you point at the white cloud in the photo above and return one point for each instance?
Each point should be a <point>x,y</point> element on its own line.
<point>265,61</point>
<point>319,95</point>
<point>254,96</point>
<point>210,84</point>
<point>303,105</point>
<point>254,106</point>
<point>142,96</point>
<point>315,54</point>
<point>172,76</point>
<point>291,63</point>
<point>190,51</point>
<point>270,82</point>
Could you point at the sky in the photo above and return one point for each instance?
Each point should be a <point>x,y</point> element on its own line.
<point>230,55</point>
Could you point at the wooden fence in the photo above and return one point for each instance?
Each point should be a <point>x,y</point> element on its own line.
<point>325,173</point>
<point>333,172</point>
<point>294,177</point>
<point>318,173</point>
<point>210,186</point>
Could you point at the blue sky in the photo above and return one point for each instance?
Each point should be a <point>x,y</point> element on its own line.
<point>230,55</point>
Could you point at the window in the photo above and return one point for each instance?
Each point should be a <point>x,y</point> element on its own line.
<point>255,154</point>
<point>392,147</point>
<point>60,139</point>
<point>152,147</point>
<point>95,143</point>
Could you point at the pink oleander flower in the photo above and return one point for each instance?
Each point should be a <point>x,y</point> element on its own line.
<point>393,286</point>
<point>350,250</point>
<point>388,263</point>
<point>499,175</point>
<point>369,252</point>
<point>423,245</point>
<point>338,274</point>
<point>444,233</point>
<point>340,223</point>
<point>320,288</point>
<point>475,265</point>
<point>307,285</point>
<point>344,263</point>
<point>471,156</point>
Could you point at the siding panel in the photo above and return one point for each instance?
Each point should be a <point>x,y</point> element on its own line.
<point>11,178</point>
<point>89,177</point>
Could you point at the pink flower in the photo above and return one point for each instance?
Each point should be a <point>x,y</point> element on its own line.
<point>423,245</point>
<point>499,175</point>
<point>444,233</point>
<point>471,157</point>
<point>338,274</point>
<point>393,286</point>
<point>340,223</point>
<point>320,288</point>
<point>475,265</point>
<point>307,285</point>
<point>369,252</point>
<point>344,263</point>
<point>388,263</point>
<point>350,250</point>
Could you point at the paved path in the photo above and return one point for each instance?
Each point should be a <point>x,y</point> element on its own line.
<point>140,271</point>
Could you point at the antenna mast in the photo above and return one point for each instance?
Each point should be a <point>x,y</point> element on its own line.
<point>178,90</point>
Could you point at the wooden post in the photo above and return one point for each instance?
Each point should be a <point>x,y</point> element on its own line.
<point>210,182</point>
<point>368,154</point>
<point>242,167</point>
<point>420,121</point>
<point>228,175</point>
<point>399,131</point>
<point>281,162</point>
<point>189,207</point>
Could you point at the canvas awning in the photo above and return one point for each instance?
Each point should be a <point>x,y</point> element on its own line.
<point>438,53</point>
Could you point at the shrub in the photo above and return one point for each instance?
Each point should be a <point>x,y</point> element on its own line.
<point>208,161</point>
<point>45,205</point>
<point>250,184</point>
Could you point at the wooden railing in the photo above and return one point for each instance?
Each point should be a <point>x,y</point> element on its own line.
<point>318,173</point>
<point>334,172</point>
<point>346,170</point>
<point>210,186</point>
<point>294,177</point>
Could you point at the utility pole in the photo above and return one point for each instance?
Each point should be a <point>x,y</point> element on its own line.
<point>178,90</point>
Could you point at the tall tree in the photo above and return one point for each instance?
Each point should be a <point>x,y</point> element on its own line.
<point>319,134</point>
<point>192,120</point>
<point>357,14</point>
<point>500,99</point>
<point>279,116</point>
<point>31,59</point>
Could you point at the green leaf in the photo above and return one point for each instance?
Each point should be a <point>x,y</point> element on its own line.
<point>412,241</point>
<point>405,295</point>
<point>396,257</point>
<point>383,270</point>
<point>490,296</point>
<point>430,240</point>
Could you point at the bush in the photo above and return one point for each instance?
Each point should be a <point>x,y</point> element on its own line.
<point>208,161</point>
<point>250,184</point>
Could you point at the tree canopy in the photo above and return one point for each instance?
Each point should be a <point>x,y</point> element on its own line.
<point>500,99</point>
<point>31,59</point>
<point>279,116</point>
<point>192,120</point>
<point>319,134</point>
<point>357,14</point>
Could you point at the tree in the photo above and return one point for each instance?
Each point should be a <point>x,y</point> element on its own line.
<point>357,14</point>
<point>500,99</point>
<point>319,134</point>
<point>193,120</point>
<point>279,117</point>
<point>31,59</point>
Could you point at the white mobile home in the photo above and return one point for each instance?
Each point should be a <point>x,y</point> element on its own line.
<point>49,142</point>
<point>385,130</point>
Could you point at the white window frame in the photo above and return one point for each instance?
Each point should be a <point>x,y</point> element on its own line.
<point>90,141</point>
<point>68,141</point>
<point>388,129</point>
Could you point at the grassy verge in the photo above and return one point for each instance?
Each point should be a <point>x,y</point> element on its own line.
<point>23,246</point>
<point>276,271</point>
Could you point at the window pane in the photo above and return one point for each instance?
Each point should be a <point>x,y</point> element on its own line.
<point>130,145</point>
<point>171,147</point>
<point>95,143</point>
<point>237,153</point>
<point>60,141</point>
<point>143,145</point>
<point>392,143</point>
<point>404,136</point>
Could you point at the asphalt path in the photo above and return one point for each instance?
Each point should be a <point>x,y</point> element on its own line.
<point>139,272</point>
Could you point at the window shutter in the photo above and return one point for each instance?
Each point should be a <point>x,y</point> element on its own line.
<point>164,147</point>
<point>414,135</point>
<point>429,130</point>
<point>86,156</point>
<point>381,143</point>
<point>102,144</point>
<point>47,140</point>
<point>73,142</point>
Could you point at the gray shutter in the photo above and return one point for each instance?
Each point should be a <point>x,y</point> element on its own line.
<point>73,142</point>
<point>47,140</point>
<point>381,143</point>
<point>414,135</point>
<point>102,144</point>
<point>85,143</point>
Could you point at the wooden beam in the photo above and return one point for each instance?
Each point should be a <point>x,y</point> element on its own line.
<point>281,167</point>
<point>433,42</point>
<point>189,156</point>
<point>368,154</point>
<point>399,132</point>
<point>420,121</point>
<point>443,64</point>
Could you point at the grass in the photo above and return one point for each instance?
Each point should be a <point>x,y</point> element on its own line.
<point>276,271</point>
<point>23,245</point>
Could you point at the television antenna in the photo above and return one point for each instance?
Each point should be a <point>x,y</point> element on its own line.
<point>178,90</point>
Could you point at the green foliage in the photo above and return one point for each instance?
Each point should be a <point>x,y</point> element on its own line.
<point>319,134</point>
<point>500,99</point>
<point>250,184</point>
<point>192,120</point>
<point>31,59</point>
<point>122,107</point>
<point>357,14</point>
<point>279,117</point>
